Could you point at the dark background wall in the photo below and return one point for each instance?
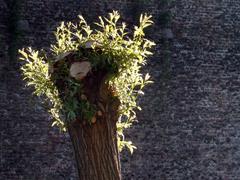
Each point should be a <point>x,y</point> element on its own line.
<point>189,126</point>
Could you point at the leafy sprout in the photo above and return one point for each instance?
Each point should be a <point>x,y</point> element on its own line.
<point>123,53</point>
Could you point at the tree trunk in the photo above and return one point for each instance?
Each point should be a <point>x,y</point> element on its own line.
<point>95,144</point>
<point>96,151</point>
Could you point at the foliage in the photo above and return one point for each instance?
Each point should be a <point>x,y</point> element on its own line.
<point>122,53</point>
<point>35,72</point>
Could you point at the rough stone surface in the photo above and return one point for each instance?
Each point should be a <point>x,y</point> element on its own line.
<point>4,12</point>
<point>189,126</point>
<point>23,25</point>
<point>167,34</point>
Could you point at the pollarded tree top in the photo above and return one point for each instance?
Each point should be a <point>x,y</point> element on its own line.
<point>79,70</point>
<point>84,58</point>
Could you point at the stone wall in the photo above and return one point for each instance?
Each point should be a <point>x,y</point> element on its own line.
<point>189,126</point>
<point>3,31</point>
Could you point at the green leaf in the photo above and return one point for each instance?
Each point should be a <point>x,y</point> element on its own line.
<point>147,77</point>
<point>23,53</point>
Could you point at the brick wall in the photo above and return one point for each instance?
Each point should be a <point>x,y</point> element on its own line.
<point>189,126</point>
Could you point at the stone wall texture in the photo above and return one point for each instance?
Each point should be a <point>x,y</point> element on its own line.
<point>189,128</point>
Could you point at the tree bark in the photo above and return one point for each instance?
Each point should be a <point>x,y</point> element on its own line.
<point>95,148</point>
<point>95,144</point>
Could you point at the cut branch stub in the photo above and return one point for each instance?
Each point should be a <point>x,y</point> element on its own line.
<point>79,70</point>
<point>91,44</point>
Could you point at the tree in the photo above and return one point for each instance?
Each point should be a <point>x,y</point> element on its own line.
<point>92,80</point>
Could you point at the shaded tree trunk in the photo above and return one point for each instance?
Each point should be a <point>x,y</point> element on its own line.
<point>95,148</point>
<point>95,144</point>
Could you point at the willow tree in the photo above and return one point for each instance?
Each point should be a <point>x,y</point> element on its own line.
<point>91,80</point>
